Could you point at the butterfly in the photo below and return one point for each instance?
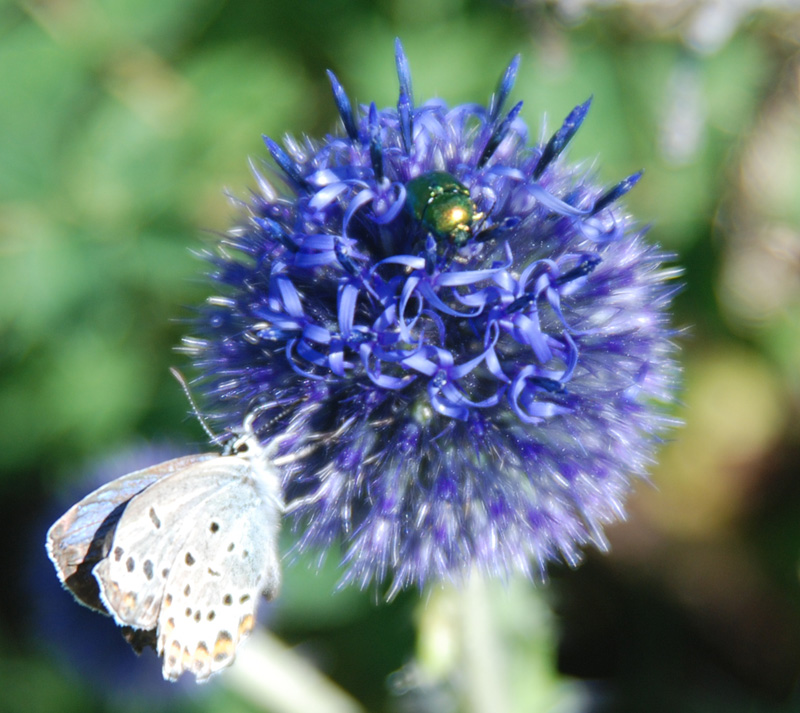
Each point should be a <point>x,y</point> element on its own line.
<point>179,553</point>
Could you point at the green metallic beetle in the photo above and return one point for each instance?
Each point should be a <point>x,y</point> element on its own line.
<point>443,205</point>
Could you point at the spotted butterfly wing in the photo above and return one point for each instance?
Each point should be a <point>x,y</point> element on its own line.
<point>198,583</point>
<point>187,556</point>
<point>81,537</point>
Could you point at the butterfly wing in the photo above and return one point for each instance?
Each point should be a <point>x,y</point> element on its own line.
<point>189,557</point>
<point>80,538</point>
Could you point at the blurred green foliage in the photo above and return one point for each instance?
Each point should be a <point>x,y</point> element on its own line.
<point>121,124</point>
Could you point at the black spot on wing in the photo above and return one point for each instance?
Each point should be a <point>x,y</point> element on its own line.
<point>154,518</point>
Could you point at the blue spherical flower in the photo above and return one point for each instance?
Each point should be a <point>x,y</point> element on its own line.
<point>465,338</point>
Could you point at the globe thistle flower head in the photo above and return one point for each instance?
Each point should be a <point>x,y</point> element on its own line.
<point>464,337</point>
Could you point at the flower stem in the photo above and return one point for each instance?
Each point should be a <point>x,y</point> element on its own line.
<point>485,686</point>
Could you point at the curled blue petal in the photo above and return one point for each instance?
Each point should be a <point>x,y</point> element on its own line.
<point>415,263</point>
<point>346,307</point>
<point>289,295</point>
<point>427,291</point>
<point>325,196</point>
<point>291,346</point>
<point>336,361</point>
<point>521,395</point>
<point>315,333</point>
<point>420,363</point>
<point>324,177</point>
<point>362,199</point>
<point>395,207</point>
<point>373,372</point>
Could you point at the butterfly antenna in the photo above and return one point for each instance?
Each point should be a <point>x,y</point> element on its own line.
<point>185,386</point>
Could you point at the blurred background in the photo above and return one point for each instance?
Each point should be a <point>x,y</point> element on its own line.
<point>122,122</point>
